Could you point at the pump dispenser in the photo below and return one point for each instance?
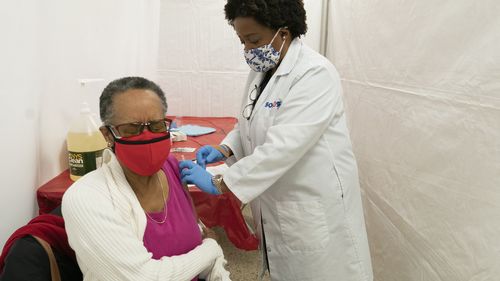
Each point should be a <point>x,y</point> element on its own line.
<point>85,142</point>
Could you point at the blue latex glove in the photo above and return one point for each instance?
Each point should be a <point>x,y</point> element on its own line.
<point>208,154</point>
<point>194,174</point>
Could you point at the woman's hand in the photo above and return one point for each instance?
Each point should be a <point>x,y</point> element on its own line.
<point>194,174</point>
<point>207,155</point>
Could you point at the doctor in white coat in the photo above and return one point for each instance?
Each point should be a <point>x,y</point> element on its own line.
<point>290,154</point>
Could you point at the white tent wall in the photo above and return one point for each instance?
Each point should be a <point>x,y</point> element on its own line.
<point>201,68</point>
<point>18,116</point>
<point>201,65</point>
<point>422,91</point>
<point>46,47</point>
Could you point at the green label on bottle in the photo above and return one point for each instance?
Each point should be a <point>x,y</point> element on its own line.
<point>81,163</point>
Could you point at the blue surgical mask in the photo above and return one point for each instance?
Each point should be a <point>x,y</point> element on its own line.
<point>265,58</point>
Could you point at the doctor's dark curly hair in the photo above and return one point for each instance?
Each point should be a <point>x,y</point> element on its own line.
<point>271,13</point>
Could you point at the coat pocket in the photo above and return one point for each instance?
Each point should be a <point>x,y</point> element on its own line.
<point>303,225</point>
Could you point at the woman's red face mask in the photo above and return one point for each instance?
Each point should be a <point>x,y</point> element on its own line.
<point>145,153</point>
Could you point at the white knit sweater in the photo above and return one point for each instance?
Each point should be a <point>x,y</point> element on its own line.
<point>105,224</point>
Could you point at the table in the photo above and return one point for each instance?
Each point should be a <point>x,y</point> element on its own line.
<point>221,210</point>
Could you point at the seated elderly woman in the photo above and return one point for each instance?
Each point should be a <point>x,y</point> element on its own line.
<point>132,219</point>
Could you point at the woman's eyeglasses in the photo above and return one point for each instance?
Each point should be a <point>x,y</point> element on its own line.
<point>248,109</point>
<point>136,128</point>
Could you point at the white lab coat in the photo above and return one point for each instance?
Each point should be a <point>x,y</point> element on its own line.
<point>294,163</point>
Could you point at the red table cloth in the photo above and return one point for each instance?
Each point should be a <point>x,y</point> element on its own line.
<point>222,210</point>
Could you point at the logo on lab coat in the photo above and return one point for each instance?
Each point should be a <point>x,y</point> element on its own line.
<point>275,104</point>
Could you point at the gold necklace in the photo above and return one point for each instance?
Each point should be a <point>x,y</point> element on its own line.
<point>165,210</point>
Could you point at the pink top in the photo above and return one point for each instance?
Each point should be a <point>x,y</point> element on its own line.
<point>180,233</point>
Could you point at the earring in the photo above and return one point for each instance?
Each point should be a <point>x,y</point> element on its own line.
<point>110,144</point>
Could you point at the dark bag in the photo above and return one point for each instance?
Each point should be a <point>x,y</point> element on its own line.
<point>39,251</point>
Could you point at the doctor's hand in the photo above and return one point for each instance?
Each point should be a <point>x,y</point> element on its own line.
<point>208,154</point>
<point>192,173</point>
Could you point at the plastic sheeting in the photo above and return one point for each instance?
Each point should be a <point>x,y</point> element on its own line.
<point>422,90</point>
<point>201,66</point>
<point>18,163</point>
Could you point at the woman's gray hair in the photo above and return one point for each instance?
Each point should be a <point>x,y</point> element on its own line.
<point>121,85</point>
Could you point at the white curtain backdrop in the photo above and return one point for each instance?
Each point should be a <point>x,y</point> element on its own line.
<point>422,89</point>
<point>46,46</point>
